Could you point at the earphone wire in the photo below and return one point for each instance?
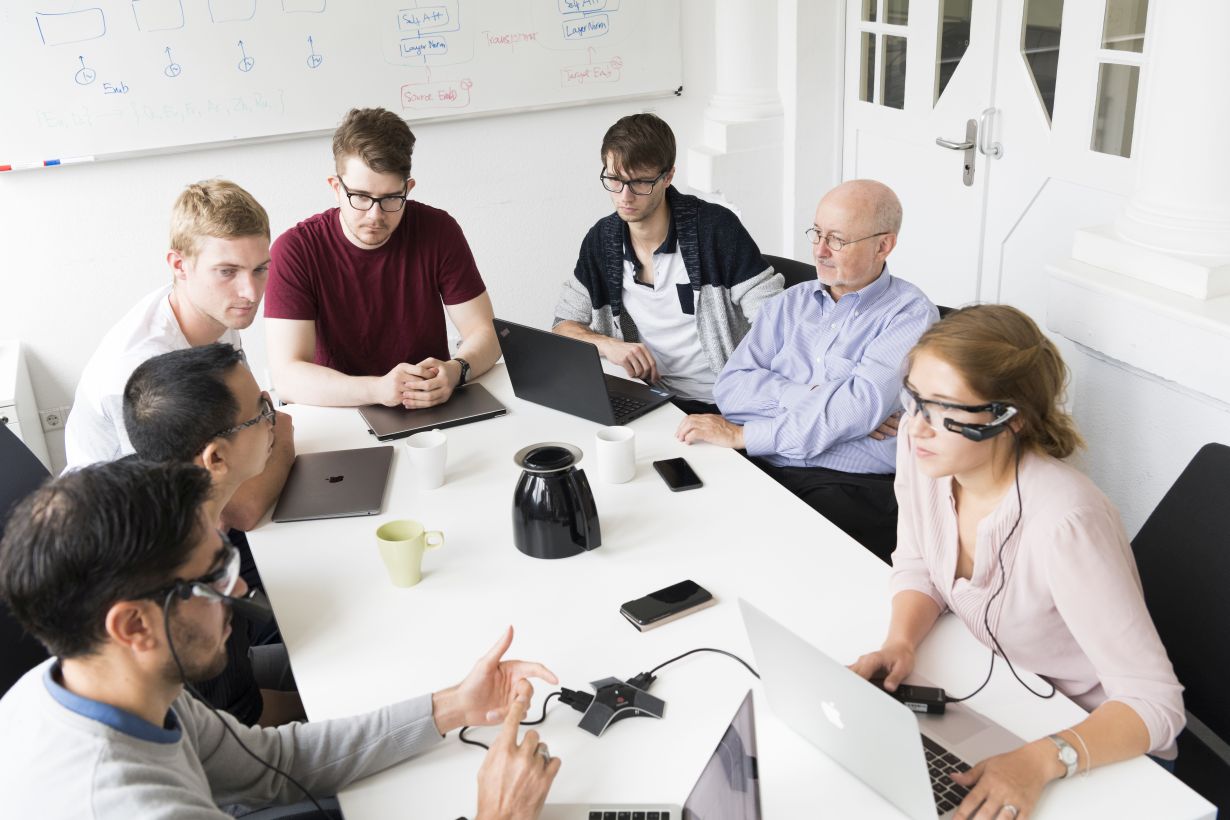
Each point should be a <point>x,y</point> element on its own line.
<point>166,625</point>
<point>1003,580</point>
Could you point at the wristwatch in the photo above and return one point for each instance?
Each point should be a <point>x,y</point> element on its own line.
<point>465,370</point>
<point>1067,754</point>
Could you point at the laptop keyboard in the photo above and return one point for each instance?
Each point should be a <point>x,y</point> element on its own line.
<point>940,763</point>
<point>630,815</point>
<point>624,406</point>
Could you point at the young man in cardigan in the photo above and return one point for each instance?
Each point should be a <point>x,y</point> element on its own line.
<point>668,284</point>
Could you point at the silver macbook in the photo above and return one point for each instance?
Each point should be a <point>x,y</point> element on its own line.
<point>467,404</point>
<point>335,484</point>
<point>902,756</point>
<point>728,787</point>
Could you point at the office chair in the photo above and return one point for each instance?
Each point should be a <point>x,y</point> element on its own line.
<point>1183,554</point>
<point>795,272</point>
<point>21,475</point>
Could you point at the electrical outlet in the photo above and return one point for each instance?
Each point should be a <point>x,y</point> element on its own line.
<point>53,418</point>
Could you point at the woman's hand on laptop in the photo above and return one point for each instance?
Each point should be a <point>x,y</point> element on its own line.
<point>894,660</point>
<point>1006,786</point>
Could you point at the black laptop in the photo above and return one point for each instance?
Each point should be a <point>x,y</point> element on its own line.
<point>467,404</point>
<point>566,374</point>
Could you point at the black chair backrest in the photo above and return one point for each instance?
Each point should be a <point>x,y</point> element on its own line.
<point>1183,553</point>
<point>21,475</point>
<point>795,272</point>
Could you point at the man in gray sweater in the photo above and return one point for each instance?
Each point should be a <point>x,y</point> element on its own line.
<point>118,570</point>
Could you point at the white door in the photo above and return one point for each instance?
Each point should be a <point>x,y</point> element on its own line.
<point>1051,87</point>
<point>918,70</point>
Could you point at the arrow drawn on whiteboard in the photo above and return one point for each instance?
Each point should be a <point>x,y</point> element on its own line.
<point>84,76</point>
<point>246,63</point>
<point>173,68</point>
<point>314,60</point>
<point>590,53</point>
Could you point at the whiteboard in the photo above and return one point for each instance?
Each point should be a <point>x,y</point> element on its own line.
<point>91,79</point>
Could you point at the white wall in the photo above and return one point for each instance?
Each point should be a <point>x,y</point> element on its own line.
<point>80,244</point>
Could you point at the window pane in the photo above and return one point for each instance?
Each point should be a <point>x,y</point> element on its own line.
<point>1116,109</point>
<point>897,12</point>
<point>954,40</point>
<point>867,59</point>
<point>869,10</point>
<point>1124,29</point>
<point>1040,47</point>
<point>893,94</point>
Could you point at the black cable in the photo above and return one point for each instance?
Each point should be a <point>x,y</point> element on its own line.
<point>1003,580</point>
<point>541,717</point>
<point>166,625</point>
<point>746,665</point>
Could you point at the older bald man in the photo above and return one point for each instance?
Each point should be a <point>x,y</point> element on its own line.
<point>808,390</point>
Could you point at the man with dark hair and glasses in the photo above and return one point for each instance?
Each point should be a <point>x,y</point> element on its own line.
<point>812,393</point>
<point>668,284</point>
<point>219,261</point>
<point>117,568</point>
<point>202,406</point>
<point>355,312</point>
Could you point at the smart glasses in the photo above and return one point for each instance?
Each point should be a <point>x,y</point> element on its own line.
<point>215,584</point>
<point>964,419</point>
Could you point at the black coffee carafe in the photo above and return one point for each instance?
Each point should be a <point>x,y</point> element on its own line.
<point>554,515</point>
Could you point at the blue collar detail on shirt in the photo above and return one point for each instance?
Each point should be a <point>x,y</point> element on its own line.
<point>118,719</point>
<point>669,245</point>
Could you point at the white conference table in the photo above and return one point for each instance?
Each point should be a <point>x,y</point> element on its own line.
<point>357,642</point>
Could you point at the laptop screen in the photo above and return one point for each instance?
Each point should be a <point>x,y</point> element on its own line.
<point>729,786</point>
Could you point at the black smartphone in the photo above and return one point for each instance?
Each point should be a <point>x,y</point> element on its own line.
<point>666,605</point>
<point>678,474</point>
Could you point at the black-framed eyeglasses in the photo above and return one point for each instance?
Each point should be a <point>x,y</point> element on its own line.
<point>390,204</point>
<point>835,243</point>
<point>640,187</point>
<point>267,413</point>
<point>213,584</point>
<point>955,417</point>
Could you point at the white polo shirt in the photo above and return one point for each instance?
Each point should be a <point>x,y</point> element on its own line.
<point>665,315</point>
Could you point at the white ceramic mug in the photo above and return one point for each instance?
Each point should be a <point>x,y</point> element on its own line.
<point>402,544</point>
<point>615,448</point>
<point>428,451</point>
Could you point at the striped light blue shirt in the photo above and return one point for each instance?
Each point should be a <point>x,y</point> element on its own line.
<point>815,376</point>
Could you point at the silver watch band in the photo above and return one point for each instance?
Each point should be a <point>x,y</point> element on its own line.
<point>1067,754</point>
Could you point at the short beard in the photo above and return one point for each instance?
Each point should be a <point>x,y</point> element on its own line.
<point>189,645</point>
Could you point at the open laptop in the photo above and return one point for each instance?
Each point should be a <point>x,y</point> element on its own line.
<point>902,756</point>
<point>335,484</point>
<point>728,787</point>
<point>566,374</point>
<point>467,404</point>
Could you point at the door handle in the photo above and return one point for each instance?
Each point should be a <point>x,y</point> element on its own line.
<point>953,146</point>
<point>988,148</point>
<point>969,147</point>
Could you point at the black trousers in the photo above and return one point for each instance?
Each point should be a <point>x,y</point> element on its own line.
<point>862,505</point>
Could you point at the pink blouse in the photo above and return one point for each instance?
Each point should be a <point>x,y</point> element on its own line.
<point>1072,610</point>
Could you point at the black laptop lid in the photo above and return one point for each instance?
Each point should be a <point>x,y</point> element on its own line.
<point>562,373</point>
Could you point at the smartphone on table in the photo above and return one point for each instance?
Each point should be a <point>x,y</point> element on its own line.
<point>667,604</point>
<point>678,474</point>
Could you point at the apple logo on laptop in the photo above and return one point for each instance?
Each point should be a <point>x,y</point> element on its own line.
<point>830,712</point>
<point>333,479</point>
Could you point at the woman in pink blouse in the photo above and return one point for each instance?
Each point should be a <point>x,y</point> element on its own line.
<point>996,528</point>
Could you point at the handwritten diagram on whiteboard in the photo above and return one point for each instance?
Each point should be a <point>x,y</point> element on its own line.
<point>97,78</point>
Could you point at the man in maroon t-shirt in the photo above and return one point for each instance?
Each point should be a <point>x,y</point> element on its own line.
<point>357,294</point>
